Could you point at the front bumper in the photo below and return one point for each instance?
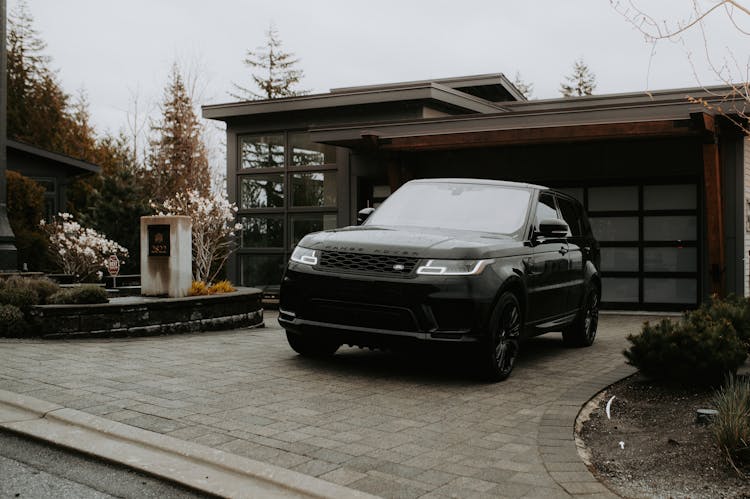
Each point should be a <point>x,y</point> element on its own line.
<point>377,310</point>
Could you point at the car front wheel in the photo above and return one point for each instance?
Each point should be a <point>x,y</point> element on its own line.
<point>503,341</point>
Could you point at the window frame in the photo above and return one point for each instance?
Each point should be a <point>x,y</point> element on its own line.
<point>287,170</point>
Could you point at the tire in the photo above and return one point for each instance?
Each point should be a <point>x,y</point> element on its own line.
<point>311,347</point>
<point>582,332</point>
<point>500,349</point>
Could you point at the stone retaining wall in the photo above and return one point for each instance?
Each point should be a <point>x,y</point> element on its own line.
<point>151,316</point>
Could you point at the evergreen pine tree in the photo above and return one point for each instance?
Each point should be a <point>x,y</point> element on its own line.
<point>581,82</point>
<point>178,160</point>
<point>41,114</point>
<point>277,74</point>
<point>527,89</point>
<point>37,104</point>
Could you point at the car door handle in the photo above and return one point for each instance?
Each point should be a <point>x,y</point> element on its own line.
<point>563,250</point>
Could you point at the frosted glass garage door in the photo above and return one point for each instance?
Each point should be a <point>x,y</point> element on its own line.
<point>649,242</point>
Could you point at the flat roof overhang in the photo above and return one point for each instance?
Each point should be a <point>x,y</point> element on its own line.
<point>518,128</point>
<point>422,91</point>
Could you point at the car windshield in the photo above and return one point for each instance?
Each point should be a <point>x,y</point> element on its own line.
<point>460,206</point>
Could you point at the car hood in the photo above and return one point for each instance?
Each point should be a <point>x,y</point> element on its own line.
<point>414,242</point>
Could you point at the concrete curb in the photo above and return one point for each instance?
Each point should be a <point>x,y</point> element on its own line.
<point>556,436</point>
<point>193,465</point>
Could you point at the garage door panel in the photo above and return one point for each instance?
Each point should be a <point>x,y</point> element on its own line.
<point>649,236</point>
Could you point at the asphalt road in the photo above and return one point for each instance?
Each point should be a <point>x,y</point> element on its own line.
<point>32,469</point>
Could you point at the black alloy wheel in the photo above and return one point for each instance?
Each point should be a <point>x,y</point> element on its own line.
<point>505,336</point>
<point>582,332</point>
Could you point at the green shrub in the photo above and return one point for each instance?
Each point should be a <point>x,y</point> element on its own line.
<point>12,322</point>
<point>80,295</point>
<point>42,286</point>
<point>22,297</point>
<point>62,297</point>
<point>732,425</point>
<point>699,351</point>
<point>735,309</point>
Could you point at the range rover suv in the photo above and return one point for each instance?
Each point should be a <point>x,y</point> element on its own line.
<point>464,261</point>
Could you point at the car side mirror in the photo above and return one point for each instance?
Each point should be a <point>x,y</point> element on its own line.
<point>553,228</point>
<point>363,215</point>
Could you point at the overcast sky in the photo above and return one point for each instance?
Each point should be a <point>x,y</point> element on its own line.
<point>115,49</point>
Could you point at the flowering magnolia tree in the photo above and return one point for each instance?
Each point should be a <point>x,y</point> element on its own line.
<point>213,229</point>
<point>78,250</point>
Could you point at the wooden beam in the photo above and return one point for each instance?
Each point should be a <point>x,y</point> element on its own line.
<point>493,138</point>
<point>714,217</point>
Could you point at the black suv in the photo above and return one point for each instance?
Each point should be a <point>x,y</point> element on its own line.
<point>448,260</point>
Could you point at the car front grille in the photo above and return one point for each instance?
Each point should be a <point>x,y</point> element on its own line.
<point>358,263</point>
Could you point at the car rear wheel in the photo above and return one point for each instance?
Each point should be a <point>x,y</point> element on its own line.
<point>502,344</point>
<point>582,332</point>
<point>311,347</point>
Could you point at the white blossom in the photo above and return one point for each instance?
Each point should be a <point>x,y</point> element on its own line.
<point>77,250</point>
<point>213,219</point>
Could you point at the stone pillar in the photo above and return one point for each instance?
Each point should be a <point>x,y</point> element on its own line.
<point>166,256</point>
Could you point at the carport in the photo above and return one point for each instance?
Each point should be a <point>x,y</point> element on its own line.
<point>660,178</point>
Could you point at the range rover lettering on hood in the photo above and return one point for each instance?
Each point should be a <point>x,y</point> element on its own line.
<point>375,251</point>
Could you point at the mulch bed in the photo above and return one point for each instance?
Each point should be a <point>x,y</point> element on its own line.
<point>664,453</point>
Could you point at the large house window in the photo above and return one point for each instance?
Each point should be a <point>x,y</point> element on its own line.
<point>314,189</point>
<point>286,188</point>
<point>262,151</point>
<point>261,191</point>
<point>307,153</point>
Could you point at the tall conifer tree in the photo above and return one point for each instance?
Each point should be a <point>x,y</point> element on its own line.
<point>274,71</point>
<point>37,105</point>
<point>581,82</point>
<point>178,160</point>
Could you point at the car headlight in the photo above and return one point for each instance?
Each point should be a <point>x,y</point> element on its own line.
<point>453,267</point>
<point>304,255</point>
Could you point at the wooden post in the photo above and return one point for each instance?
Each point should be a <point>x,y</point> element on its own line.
<point>394,174</point>
<point>714,216</point>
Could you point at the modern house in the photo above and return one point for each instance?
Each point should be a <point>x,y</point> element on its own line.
<point>664,178</point>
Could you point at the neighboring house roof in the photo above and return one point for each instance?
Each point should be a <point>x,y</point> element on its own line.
<point>76,165</point>
<point>472,94</point>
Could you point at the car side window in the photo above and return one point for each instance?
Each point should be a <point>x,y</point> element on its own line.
<point>545,208</point>
<point>572,216</point>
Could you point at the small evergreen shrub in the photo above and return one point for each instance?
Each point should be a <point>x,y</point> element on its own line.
<point>699,351</point>
<point>732,425</point>
<point>43,286</point>
<point>735,309</point>
<point>22,297</point>
<point>221,287</point>
<point>12,321</point>
<point>62,297</point>
<point>80,295</point>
